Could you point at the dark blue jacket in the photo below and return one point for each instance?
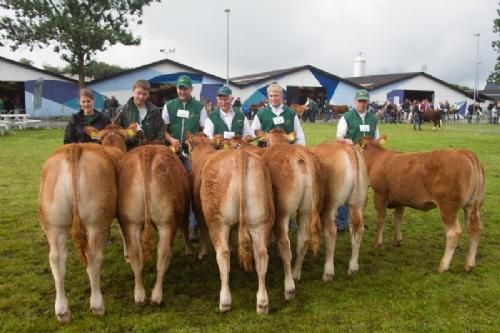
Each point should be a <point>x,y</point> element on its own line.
<point>74,132</point>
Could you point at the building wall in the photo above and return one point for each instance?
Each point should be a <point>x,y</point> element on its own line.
<point>342,93</point>
<point>121,86</point>
<point>57,96</point>
<point>420,82</point>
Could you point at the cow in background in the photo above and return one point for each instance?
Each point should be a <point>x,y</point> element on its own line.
<point>153,191</point>
<point>233,187</point>
<point>346,183</point>
<point>78,191</point>
<point>434,116</point>
<point>450,180</point>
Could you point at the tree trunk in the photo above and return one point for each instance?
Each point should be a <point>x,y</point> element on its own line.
<point>81,72</point>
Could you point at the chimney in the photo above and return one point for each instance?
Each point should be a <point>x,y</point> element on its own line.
<point>359,65</point>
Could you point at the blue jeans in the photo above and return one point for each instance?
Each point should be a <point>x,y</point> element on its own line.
<point>342,218</point>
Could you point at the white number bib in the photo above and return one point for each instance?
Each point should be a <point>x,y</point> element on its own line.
<point>364,128</point>
<point>228,135</point>
<point>278,120</point>
<point>183,113</point>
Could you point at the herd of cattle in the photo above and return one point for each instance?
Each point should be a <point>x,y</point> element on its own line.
<point>85,186</point>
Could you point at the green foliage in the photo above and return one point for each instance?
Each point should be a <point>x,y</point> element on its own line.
<point>495,75</point>
<point>77,30</point>
<point>460,86</point>
<point>397,289</point>
<point>53,69</point>
<point>95,69</point>
<point>26,61</point>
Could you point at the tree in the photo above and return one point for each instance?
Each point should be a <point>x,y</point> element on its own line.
<point>95,69</point>
<point>495,75</point>
<point>76,29</point>
<point>26,61</point>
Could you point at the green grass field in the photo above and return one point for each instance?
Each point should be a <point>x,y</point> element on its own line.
<point>397,289</point>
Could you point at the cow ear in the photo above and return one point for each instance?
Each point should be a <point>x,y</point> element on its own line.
<point>92,132</point>
<point>382,140</point>
<point>132,130</point>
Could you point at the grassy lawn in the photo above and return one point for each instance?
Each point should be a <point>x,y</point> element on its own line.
<point>397,289</point>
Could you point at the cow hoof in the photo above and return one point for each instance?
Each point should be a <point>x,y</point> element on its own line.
<point>289,294</point>
<point>263,308</point>
<point>327,277</point>
<point>352,270</point>
<point>98,311</point>
<point>377,245</point>
<point>64,317</point>
<point>156,302</point>
<point>468,268</point>
<point>127,260</point>
<point>224,308</point>
<point>140,301</point>
<point>397,243</point>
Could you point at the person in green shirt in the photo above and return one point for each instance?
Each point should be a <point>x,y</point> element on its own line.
<point>142,112</point>
<point>183,114</point>
<point>355,124</point>
<point>226,120</point>
<point>278,115</point>
<point>311,111</point>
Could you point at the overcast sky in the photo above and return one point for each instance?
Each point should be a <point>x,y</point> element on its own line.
<point>395,36</point>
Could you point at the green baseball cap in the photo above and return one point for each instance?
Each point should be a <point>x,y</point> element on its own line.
<point>362,95</point>
<point>184,81</point>
<point>224,91</point>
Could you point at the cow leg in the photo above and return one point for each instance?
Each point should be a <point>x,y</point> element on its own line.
<point>330,231</point>
<point>303,240</point>
<point>449,218</point>
<point>398,220</point>
<point>58,253</point>
<point>281,230</point>
<point>166,238</point>
<point>96,241</point>
<point>184,227</point>
<point>220,238</point>
<point>381,211</point>
<point>133,236</point>
<point>474,228</point>
<point>203,239</point>
<point>356,230</point>
<point>125,249</point>
<point>259,242</point>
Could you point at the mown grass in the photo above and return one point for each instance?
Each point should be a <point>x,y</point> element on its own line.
<point>397,289</point>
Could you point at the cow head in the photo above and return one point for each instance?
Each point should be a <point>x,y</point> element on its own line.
<point>275,136</point>
<point>365,142</point>
<point>194,140</point>
<point>112,135</point>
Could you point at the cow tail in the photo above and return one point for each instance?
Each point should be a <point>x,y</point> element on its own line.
<point>146,235</point>
<point>244,240</point>
<point>314,224</point>
<point>478,194</point>
<point>77,231</point>
<point>356,219</point>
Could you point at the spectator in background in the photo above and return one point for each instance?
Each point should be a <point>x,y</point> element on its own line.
<point>87,116</point>
<point>416,115</point>
<point>2,106</point>
<point>237,103</point>
<point>311,110</point>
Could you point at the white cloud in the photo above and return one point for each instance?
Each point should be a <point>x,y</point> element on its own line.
<point>396,36</point>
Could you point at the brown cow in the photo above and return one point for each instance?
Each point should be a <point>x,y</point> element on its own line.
<point>346,183</point>
<point>233,186</point>
<point>450,180</point>
<point>153,190</point>
<point>78,191</point>
<point>295,176</point>
<point>299,109</point>
<point>338,110</point>
<point>434,116</point>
